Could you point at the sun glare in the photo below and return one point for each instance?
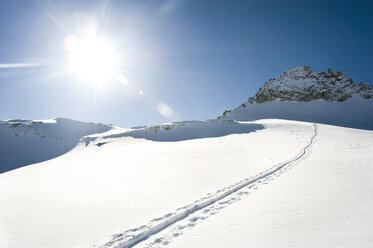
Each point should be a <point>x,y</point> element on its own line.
<point>91,58</point>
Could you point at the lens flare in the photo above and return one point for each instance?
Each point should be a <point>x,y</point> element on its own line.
<point>165,110</point>
<point>122,79</point>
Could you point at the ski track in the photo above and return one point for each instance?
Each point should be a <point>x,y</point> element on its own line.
<point>202,208</point>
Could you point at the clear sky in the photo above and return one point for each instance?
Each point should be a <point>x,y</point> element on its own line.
<point>175,60</point>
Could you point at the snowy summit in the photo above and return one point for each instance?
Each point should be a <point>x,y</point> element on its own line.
<point>302,84</point>
<point>304,95</point>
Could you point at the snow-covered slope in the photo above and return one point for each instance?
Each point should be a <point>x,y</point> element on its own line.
<point>120,191</point>
<point>244,179</point>
<point>91,193</point>
<point>355,112</point>
<point>323,201</point>
<point>24,142</point>
<point>304,95</point>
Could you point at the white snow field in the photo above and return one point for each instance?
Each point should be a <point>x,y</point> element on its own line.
<point>325,200</point>
<point>135,187</point>
<point>265,183</point>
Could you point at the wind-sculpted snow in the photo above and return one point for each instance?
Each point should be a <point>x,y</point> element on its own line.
<point>24,142</point>
<point>188,130</point>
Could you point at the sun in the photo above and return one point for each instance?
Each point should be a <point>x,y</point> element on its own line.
<point>91,58</point>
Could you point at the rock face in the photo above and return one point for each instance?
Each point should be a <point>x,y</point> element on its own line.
<point>302,84</point>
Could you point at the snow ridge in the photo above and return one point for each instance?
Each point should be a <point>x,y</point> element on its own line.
<point>40,140</point>
<point>55,129</point>
<point>134,236</point>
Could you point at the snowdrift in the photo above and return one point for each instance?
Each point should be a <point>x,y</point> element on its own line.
<point>24,142</point>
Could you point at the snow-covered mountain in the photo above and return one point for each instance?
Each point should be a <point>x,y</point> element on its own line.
<point>304,95</point>
<point>24,142</point>
<point>246,179</point>
<point>301,84</point>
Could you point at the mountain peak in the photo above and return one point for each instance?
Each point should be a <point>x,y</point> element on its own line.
<point>299,71</point>
<point>302,84</point>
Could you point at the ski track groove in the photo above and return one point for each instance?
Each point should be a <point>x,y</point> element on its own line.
<point>134,236</point>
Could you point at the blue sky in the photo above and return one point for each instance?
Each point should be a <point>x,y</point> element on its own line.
<point>196,57</point>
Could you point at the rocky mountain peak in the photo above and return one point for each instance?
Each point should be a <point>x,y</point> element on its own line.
<point>302,84</point>
<point>298,72</point>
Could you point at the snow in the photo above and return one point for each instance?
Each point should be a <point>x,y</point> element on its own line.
<point>135,236</point>
<point>264,183</point>
<point>354,112</point>
<point>128,182</point>
<point>187,130</point>
<point>25,142</point>
<point>324,201</point>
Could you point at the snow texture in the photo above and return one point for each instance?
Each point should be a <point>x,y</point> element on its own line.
<point>134,236</point>
<point>134,184</point>
<point>24,142</point>
<point>324,201</point>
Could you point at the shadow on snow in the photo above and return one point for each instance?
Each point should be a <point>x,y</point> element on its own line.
<point>189,130</point>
